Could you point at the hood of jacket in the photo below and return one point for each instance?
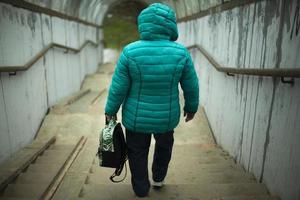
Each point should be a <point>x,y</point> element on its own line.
<point>158,22</point>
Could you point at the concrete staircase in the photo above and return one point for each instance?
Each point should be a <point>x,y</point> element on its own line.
<point>195,173</point>
<point>199,168</point>
<point>36,179</point>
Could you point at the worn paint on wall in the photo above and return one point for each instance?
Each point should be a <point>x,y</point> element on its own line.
<point>25,98</point>
<point>22,24</point>
<point>254,118</point>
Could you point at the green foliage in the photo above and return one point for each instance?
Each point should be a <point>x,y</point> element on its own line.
<point>119,31</point>
<point>120,24</point>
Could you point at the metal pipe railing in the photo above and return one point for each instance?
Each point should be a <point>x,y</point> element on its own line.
<point>273,72</point>
<point>40,54</point>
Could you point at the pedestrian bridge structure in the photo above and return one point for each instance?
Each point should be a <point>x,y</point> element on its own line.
<point>55,70</point>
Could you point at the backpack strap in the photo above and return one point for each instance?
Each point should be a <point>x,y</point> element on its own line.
<point>118,172</point>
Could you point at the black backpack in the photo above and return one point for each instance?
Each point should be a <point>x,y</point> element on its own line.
<point>112,150</point>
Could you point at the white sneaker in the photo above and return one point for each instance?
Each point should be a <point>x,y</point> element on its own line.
<point>158,185</point>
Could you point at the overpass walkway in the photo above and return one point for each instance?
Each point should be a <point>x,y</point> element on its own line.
<point>66,167</point>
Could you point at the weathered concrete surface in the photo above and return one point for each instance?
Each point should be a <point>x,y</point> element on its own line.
<point>32,183</point>
<point>255,119</point>
<point>199,169</point>
<point>24,33</point>
<point>26,96</point>
<point>94,11</point>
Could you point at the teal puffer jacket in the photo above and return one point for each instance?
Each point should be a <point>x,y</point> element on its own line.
<point>147,74</point>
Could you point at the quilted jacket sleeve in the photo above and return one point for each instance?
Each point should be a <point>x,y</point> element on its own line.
<point>119,86</point>
<point>190,86</point>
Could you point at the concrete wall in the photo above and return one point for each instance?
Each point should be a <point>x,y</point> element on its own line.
<point>25,97</point>
<point>256,119</point>
<point>94,11</point>
<point>91,11</point>
<point>185,8</point>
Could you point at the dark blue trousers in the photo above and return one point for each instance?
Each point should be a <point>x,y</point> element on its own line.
<point>138,148</point>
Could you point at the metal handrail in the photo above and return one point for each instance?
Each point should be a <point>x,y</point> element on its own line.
<point>273,72</point>
<point>33,60</point>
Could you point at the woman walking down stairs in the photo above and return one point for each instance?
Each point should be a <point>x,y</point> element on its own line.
<point>199,168</point>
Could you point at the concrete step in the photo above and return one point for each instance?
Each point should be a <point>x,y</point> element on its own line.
<point>203,160</point>
<point>51,159</point>
<point>198,168</point>
<point>71,186</point>
<point>25,190</point>
<point>43,168</point>
<point>68,147</point>
<point>96,82</point>
<point>57,153</point>
<point>208,178</point>
<point>210,167</point>
<point>175,191</point>
<point>206,164</point>
<point>13,198</point>
<point>70,99</point>
<point>259,197</point>
<point>196,151</point>
<point>84,104</point>
<point>193,149</point>
<point>102,175</point>
<point>206,167</point>
<point>35,177</point>
<point>196,154</point>
<point>84,101</point>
